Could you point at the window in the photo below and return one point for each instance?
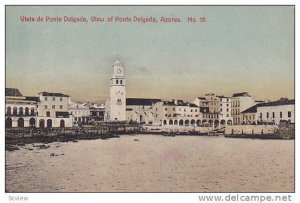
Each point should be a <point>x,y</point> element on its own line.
<point>289,114</point>
<point>220,104</point>
<point>227,115</point>
<point>273,114</point>
<point>48,113</point>
<point>280,114</point>
<point>227,109</point>
<point>166,115</point>
<point>119,101</point>
<point>53,106</point>
<point>173,109</point>
<point>260,115</point>
<point>121,82</point>
<point>60,99</point>
<point>46,98</point>
<point>195,110</point>
<point>268,115</point>
<point>117,81</point>
<point>46,106</point>
<point>227,104</point>
<point>191,110</point>
<point>61,106</point>
<point>220,109</point>
<point>53,98</point>
<point>166,109</point>
<point>156,109</point>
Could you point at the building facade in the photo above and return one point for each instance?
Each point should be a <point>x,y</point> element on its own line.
<point>116,103</point>
<point>80,113</point>
<point>53,110</point>
<point>239,103</point>
<point>139,110</point>
<point>270,112</point>
<point>176,113</point>
<point>20,111</point>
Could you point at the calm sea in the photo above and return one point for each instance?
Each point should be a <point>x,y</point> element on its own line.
<point>154,164</point>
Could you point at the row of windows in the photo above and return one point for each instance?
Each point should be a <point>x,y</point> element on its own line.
<point>53,98</point>
<point>14,111</point>
<point>227,110</point>
<point>166,109</point>
<point>222,104</point>
<point>53,106</point>
<point>273,114</point>
<point>121,82</point>
<point>174,115</point>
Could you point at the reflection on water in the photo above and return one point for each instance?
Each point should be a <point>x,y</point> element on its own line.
<point>154,164</point>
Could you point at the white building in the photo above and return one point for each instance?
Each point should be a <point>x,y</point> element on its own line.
<point>176,113</point>
<point>216,110</point>
<point>139,110</point>
<point>116,103</point>
<point>239,103</point>
<point>225,117</point>
<point>270,112</point>
<point>53,110</point>
<point>20,111</point>
<point>80,112</point>
<point>274,112</point>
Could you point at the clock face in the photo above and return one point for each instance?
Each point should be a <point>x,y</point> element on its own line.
<point>119,70</point>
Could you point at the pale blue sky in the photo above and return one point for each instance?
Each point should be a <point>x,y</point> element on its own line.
<point>238,49</point>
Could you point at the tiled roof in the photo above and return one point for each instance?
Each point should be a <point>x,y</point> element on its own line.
<point>280,102</point>
<point>36,99</point>
<point>53,94</point>
<point>277,103</point>
<point>241,94</point>
<point>141,101</point>
<point>12,92</point>
<point>252,109</point>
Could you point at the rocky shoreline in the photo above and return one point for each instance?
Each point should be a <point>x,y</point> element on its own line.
<point>19,137</point>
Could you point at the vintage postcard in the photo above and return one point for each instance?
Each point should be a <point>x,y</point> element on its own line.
<point>150,99</point>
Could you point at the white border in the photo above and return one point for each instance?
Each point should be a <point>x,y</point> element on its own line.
<point>124,197</point>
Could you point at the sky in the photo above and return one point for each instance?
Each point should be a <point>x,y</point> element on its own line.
<point>237,49</point>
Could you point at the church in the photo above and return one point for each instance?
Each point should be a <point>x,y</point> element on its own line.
<point>116,102</point>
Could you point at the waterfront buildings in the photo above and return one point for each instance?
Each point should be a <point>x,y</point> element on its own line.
<point>270,112</point>
<point>116,102</point>
<point>53,110</point>
<point>139,110</point>
<point>176,113</point>
<point>239,103</point>
<point>20,111</point>
<point>80,112</point>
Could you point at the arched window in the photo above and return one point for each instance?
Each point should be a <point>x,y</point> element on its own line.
<point>49,123</point>
<point>165,122</point>
<point>20,123</point>
<point>21,111</point>
<point>15,111</point>
<point>181,122</point>
<point>32,111</point>
<point>8,123</point>
<point>170,122</point>
<point>62,123</point>
<point>32,122</point>
<point>8,111</point>
<point>26,111</point>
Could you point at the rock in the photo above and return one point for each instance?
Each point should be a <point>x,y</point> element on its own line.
<point>11,148</point>
<point>136,139</point>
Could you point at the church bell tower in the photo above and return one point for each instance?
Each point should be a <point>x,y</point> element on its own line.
<point>116,103</point>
